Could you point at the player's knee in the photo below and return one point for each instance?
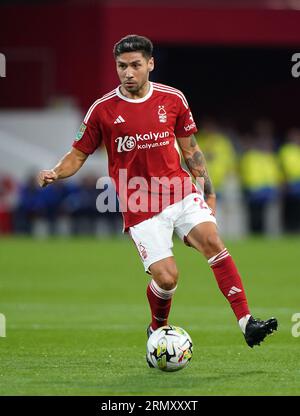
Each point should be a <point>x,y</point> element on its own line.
<point>212,245</point>
<point>167,279</point>
<point>168,283</point>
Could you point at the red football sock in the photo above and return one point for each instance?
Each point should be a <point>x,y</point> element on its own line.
<point>160,303</point>
<point>229,282</point>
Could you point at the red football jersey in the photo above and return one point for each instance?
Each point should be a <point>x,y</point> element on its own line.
<point>140,138</point>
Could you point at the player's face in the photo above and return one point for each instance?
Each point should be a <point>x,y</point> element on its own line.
<point>133,70</point>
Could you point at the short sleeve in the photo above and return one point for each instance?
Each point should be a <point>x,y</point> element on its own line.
<point>89,137</point>
<point>185,125</point>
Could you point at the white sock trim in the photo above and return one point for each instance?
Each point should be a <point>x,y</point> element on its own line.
<point>218,257</point>
<point>243,322</point>
<point>161,293</point>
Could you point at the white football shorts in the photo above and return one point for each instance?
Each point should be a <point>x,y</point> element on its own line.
<point>153,237</point>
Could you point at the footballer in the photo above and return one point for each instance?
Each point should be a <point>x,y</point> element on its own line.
<point>142,124</point>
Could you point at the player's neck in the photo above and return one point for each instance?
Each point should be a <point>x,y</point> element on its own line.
<point>141,93</point>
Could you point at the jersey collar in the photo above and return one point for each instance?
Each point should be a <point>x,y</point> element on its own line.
<point>139,100</point>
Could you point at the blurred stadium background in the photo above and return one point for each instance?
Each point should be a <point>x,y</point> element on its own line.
<point>63,296</point>
<point>232,59</point>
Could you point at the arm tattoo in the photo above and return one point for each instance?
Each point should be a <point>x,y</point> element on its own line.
<point>196,165</point>
<point>193,142</point>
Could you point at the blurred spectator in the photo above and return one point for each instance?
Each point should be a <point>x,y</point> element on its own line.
<point>62,208</point>
<point>260,176</point>
<point>8,192</point>
<point>221,160</point>
<point>36,204</point>
<point>290,162</point>
<point>219,153</point>
<point>28,201</point>
<point>111,222</point>
<point>81,206</point>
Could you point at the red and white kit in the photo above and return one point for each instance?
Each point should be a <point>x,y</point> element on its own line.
<point>140,137</point>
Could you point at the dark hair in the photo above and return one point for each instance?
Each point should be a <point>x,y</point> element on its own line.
<point>134,43</point>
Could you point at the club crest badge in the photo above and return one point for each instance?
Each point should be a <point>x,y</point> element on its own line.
<point>162,114</point>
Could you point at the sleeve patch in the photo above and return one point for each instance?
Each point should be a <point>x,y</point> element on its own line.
<point>80,132</point>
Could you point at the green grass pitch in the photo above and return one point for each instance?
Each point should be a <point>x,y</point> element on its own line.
<point>76,315</point>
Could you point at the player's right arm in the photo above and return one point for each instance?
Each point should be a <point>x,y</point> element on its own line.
<point>66,167</point>
<point>88,139</point>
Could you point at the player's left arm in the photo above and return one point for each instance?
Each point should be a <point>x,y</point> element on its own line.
<point>195,161</point>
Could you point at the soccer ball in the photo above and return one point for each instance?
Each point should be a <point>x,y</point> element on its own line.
<point>169,348</point>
